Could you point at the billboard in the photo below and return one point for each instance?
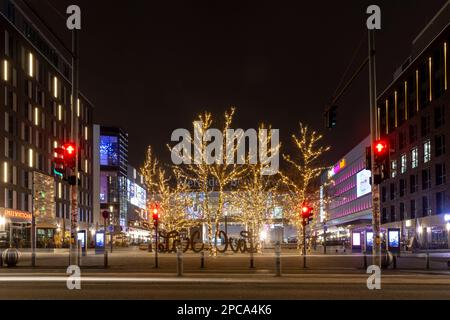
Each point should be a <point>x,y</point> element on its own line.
<point>137,195</point>
<point>363,185</point>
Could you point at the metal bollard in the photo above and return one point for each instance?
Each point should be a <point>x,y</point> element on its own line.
<point>365,260</point>
<point>278,259</point>
<point>179,262</point>
<point>428,261</point>
<point>202,260</point>
<point>1,258</point>
<point>105,259</point>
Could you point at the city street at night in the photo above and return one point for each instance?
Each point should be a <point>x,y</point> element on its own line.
<point>245,154</point>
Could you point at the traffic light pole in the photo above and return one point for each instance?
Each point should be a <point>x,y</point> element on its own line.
<point>74,137</point>
<point>375,135</point>
<point>304,243</point>
<point>156,244</point>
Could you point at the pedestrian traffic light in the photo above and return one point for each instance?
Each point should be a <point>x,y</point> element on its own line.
<point>369,158</point>
<point>381,150</point>
<point>70,154</point>
<point>331,117</point>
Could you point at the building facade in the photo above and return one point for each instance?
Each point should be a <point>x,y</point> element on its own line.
<point>346,196</point>
<point>35,117</point>
<point>414,117</point>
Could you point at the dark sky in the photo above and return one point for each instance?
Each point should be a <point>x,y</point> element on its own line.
<point>151,66</point>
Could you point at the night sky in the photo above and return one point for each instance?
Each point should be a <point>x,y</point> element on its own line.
<point>151,66</point>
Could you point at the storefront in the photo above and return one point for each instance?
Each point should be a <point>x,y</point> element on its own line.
<point>138,236</point>
<point>15,228</point>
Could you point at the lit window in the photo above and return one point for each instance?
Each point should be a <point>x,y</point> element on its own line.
<point>78,108</point>
<point>59,190</point>
<point>30,158</point>
<point>5,172</point>
<point>427,151</point>
<point>86,166</point>
<point>36,116</point>
<point>403,164</point>
<point>414,158</point>
<point>393,169</point>
<point>86,133</point>
<point>30,65</point>
<point>55,87</point>
<point>5,70</point>
<point>59,112</point>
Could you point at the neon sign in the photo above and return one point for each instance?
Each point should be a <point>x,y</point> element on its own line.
<point>337,168</point>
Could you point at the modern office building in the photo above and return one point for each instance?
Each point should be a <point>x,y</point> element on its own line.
<point>414,117</point>
<point>346,196</point>
<point>112,146</point>
<point>35,114</point>
<point>138,230</point>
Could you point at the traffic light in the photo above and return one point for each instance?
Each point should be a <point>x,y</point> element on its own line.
<point>70,154</point>
<point>58,163</point>
<point>381,150</point>
<point>154,209</point>
<point>331,117</point>
<point>369,158</point>
<point>306,214</point>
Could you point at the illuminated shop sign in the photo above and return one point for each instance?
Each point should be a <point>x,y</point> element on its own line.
<point>137,195</point>
<point>15,214</point>
<point>337,168</point>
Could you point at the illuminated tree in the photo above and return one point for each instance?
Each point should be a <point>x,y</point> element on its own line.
<point>221,173</point>
<point>170,192</point>
<point>255,200</point>
<point>304,171</point>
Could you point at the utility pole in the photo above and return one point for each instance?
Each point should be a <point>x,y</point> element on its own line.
<point>74,137</point>
<point>375,135</point>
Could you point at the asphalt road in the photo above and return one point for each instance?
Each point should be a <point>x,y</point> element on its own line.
<point>219,286</point>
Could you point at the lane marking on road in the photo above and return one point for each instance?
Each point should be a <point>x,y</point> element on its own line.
<point>328,280</point>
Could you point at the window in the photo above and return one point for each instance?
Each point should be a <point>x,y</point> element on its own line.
<point>414,158</point>
<point>402,187</point>
<point>439,116</point>
<point>439,145</point>
<point>393,169</point>
<point>440,203</point>
<point>383,194</point>
<point>426,182</point>
<point>440,174</point>
<point>425,207</point>
<point>413,184</point>
<point>427,151</point>
<point>425,126</point>
<point>392,191</point>
<point>384,216</point>
<point>392,214</point>
<point>402,211</point>
<point>413,209</point>
<point>403,164</point>
<point>401,140</point>
<point>412,133</point>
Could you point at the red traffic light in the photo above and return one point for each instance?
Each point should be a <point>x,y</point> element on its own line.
<point>154,209</point>
<point>381,147</point>
<point>70,151</point>
<point>306,211</point>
